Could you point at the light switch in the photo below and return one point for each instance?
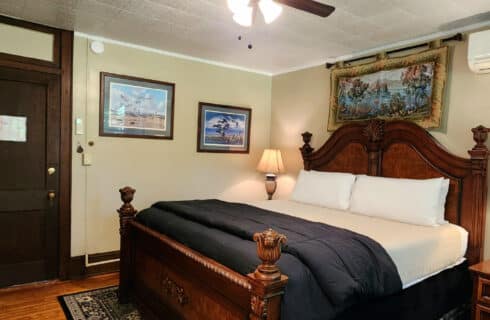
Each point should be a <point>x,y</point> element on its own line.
<point>87,159</point>
<point>79,130</point>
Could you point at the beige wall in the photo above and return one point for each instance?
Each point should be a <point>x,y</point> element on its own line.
<point>159,169</point>
<point>300,103</point>
<point>38,44</point>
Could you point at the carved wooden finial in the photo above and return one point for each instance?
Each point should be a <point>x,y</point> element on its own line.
<point>306,149</point>
<point>374,130</point>
<point>127,211</point>
<point>480,136</point>
<point>269,251</point>
<point>267,281</point>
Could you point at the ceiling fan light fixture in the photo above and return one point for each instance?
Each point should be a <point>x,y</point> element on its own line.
<point>236,6</point>
<point>270,10</point>
<point>244,17</point>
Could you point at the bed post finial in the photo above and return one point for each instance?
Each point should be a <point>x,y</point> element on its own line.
<point>267,281</point>
<point>480,136</point>
<point>479,153</point>
<point>126,214</point>
<point>306,149</point>
<point>127,211</point>
<point>269,251</point>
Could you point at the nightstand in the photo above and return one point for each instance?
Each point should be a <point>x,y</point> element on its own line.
<point>481,290</point>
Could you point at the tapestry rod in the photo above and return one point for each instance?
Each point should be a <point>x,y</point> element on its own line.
<point>456,37</point>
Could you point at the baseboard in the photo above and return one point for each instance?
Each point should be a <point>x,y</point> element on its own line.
<point>103,256</point>
<point>77,269</point>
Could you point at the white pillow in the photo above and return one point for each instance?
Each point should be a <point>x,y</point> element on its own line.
<point>412,201</point>
<point>325,189</point>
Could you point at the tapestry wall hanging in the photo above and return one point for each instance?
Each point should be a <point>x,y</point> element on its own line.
<point>408,88</point>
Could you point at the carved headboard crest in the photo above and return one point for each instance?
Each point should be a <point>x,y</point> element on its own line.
<point>402,149</point>
<point>374,130</point>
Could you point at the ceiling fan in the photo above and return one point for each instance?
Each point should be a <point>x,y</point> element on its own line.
<point>244,11</point>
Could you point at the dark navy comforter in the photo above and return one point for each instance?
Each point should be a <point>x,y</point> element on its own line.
<point>329,269</point>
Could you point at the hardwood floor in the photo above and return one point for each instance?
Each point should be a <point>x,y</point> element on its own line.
<point>39,301</point>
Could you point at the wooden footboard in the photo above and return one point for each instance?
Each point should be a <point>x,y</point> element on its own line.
<point>169,280</point>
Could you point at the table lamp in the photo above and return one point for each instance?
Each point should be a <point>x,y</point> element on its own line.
<point>271,164</point>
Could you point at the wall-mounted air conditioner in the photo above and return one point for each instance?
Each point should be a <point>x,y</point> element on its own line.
<point>479,51</point>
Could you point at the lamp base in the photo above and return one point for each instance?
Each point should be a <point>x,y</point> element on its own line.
<point>270,185</point>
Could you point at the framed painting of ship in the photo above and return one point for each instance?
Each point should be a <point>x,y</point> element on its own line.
<point>135,107</point>
<point>408,88</point>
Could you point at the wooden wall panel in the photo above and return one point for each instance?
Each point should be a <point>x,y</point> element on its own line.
<point>352,158</point>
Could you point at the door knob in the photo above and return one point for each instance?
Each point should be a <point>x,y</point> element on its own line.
<point>51,171</point>
<point>51,195</point>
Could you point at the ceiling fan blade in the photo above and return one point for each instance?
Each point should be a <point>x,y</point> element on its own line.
<point>314,7</point>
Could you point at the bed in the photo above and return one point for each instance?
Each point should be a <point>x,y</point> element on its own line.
<point>167,278</point>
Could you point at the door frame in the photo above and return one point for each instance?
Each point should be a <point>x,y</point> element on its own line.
<point>61,65</point>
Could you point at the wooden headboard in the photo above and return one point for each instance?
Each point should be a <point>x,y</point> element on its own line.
<point>402,149</point>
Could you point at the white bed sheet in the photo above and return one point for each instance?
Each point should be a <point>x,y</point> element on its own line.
<point>417,251</point>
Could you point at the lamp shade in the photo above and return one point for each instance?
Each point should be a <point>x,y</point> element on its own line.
<point>271,162</point>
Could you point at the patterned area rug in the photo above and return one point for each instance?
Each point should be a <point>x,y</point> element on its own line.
<point>99,304</point>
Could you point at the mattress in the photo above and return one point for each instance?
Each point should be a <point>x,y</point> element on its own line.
<point>417,251</point>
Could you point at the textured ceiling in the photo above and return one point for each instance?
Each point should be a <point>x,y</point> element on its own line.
<point>205,29</point>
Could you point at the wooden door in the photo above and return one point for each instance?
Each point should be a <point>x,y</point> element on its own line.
<point>29,176</point>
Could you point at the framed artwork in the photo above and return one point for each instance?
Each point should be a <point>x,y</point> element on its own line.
<point>223,128</point>
<point>135,108</point>
<point>408,88</point>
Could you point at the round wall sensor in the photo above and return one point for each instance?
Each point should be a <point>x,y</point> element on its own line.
<point>97,47</point>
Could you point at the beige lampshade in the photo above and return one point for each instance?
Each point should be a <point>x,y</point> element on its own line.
<point>271,162</point>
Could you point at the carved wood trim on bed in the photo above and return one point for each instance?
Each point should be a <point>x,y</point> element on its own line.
<point>402,149</point>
